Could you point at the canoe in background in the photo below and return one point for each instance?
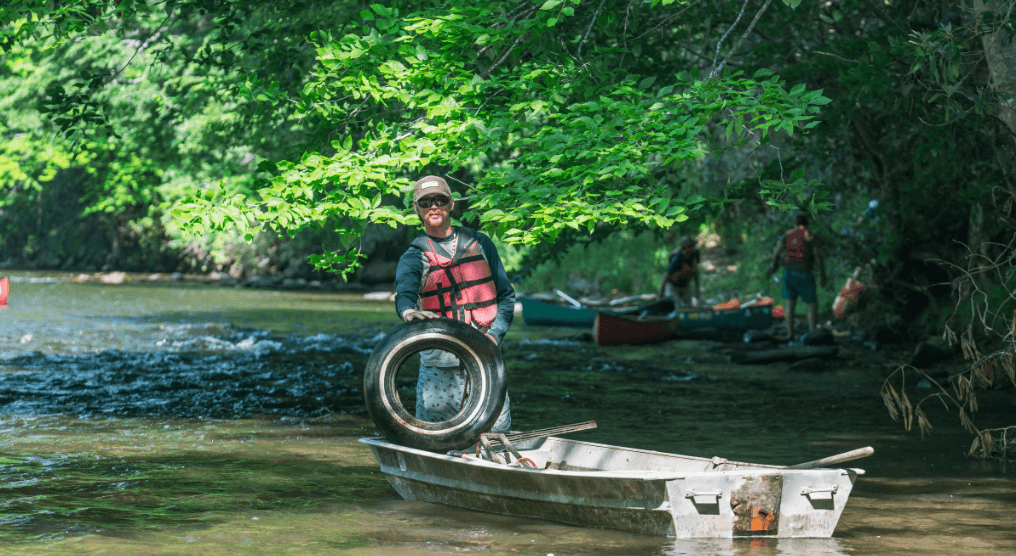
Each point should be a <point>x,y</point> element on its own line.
<point>536,312</point>
<point>613,330</point>
<point>756,317</point>
<point>5,287</point>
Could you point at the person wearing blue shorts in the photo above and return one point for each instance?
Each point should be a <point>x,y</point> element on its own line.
<point>801,256</point>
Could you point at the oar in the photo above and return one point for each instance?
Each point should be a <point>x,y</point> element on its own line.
<point>568,298</point>
<point>838,458</point>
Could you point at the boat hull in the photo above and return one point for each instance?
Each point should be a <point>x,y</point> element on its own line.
<point>613,330</point>
<point>595,485</point>
<point>539,313</point>
<point>758,317</point>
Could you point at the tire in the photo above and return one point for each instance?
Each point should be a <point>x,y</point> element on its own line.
<point>485,391</point>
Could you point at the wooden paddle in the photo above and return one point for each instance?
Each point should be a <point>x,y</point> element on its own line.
<point>838,458</point>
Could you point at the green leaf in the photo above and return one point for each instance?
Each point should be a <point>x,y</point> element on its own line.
<point>550,4</point>
<point>647,82</point>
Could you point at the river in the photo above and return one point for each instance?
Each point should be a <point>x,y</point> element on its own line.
<point>163,417</point>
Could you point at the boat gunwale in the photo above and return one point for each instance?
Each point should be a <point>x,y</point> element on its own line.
<point>640,474</point>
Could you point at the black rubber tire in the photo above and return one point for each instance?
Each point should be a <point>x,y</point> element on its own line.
<point>485,394</point>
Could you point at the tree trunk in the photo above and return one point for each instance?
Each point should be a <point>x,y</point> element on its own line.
<point>1001,57</point>
<point>976,242</point>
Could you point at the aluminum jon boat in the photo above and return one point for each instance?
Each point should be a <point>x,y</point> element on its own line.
<point>653,493</point>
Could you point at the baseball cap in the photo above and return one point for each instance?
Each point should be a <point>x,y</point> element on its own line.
<point>431,184</point>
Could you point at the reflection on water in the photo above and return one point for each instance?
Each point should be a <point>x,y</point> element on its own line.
<point>753,547</point>
<point>404,525</point>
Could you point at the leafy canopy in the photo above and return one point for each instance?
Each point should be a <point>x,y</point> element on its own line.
<point>551,116</point>
<point>497,97</point>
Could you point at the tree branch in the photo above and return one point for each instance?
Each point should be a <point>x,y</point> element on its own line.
<point>590,28</point>
<point>724,37</point>
<point>503,58</point>
<point>717,70</point>
<point>143,44</point>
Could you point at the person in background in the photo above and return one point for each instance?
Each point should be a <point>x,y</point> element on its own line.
<point>801,256</point>
<point>452,272</point>
<point>681,271</point>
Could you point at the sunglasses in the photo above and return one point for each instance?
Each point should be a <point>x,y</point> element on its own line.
<point>433,201</point>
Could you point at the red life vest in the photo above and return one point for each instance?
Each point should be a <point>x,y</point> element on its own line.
<point>797,244</point>
<point>689,268</point>
<point>460,288</point>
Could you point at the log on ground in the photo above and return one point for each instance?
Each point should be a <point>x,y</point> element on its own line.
<point>784,355</point>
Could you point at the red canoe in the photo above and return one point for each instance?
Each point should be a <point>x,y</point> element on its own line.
<point>4,288</point>
<point>614,331</point>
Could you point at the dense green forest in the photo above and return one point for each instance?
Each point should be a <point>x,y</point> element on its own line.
<point>256,137</point>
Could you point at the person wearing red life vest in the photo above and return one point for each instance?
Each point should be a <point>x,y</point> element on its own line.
<point>682,270</point>
<point>451,272</point>
<point>801,256</point>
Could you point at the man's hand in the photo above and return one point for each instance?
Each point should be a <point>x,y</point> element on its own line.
<point>412,314</point>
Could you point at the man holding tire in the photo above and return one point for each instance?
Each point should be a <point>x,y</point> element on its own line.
<point>451,272</point>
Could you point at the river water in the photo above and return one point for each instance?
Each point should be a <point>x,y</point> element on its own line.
<point>164,417</point>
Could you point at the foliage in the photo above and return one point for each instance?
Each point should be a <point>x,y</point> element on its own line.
<point>627,262</point>
<point>552,116</point>
<point>137,110</point>
<point>985,315</point>
<point>546,139</point>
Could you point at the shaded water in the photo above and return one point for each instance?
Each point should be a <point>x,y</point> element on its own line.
<point>165,418</point>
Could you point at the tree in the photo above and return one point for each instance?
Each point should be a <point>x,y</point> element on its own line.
<point>552,116</point>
